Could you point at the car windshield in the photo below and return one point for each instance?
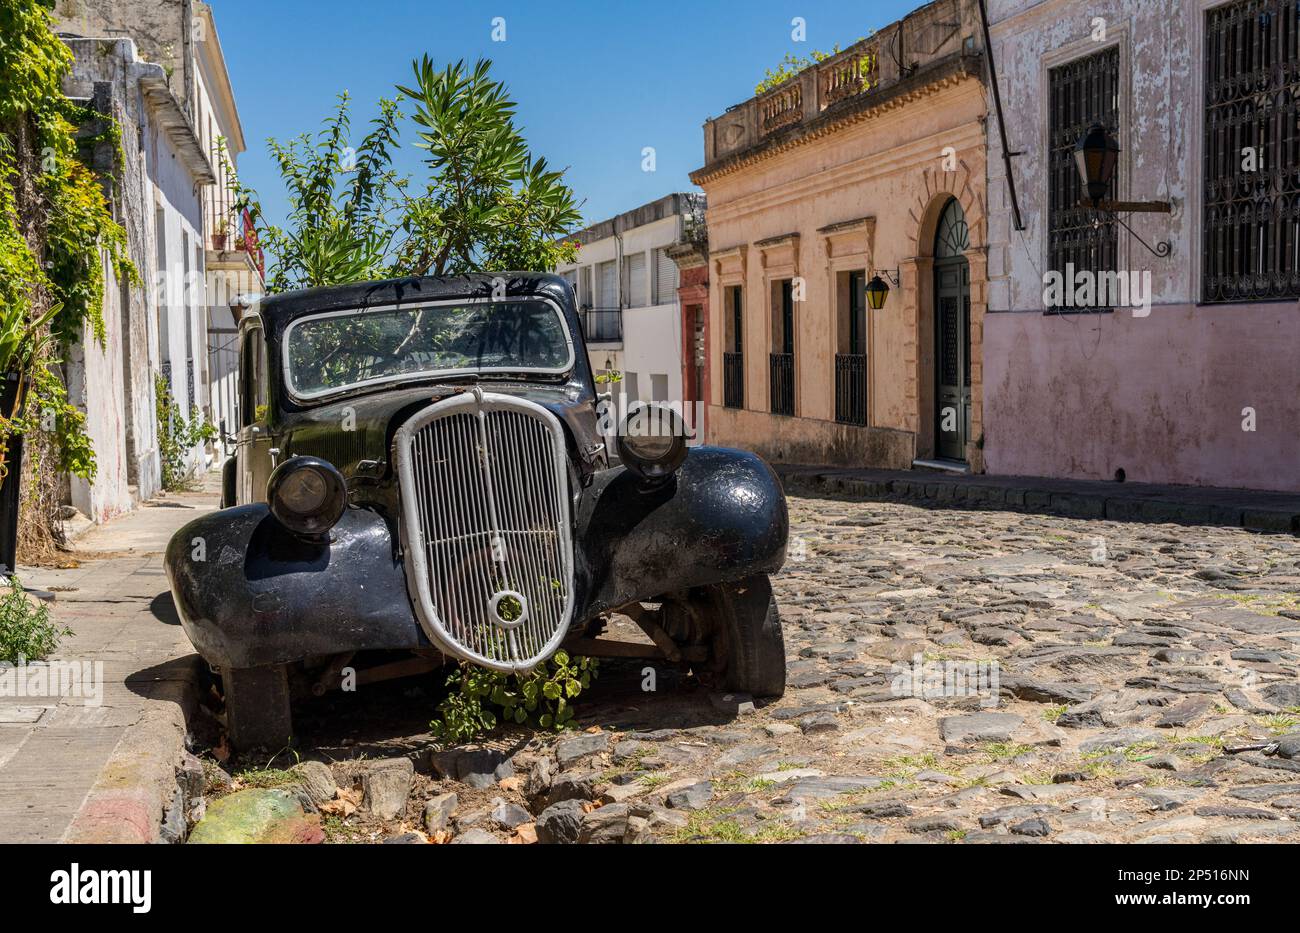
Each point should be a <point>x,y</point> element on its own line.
<point>334,351</point>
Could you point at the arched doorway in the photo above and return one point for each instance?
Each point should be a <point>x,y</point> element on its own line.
<point>951,334</point>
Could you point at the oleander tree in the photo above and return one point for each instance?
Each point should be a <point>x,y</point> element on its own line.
<point>485,202</point>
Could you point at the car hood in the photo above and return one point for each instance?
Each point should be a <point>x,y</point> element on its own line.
<point>355,433</point>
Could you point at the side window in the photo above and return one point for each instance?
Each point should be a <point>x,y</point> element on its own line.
<point>252,377</point>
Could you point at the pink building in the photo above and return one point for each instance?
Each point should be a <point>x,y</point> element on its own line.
<point>1192,377</point>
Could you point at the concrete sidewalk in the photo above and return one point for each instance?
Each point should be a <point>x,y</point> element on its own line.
<point>1141,502</point>
<point>54,751</point>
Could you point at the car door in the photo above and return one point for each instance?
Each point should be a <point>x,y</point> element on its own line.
<point>255,442</point>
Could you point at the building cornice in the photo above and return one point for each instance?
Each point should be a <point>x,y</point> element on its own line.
<point>171,118</point>
<point>856,110</point>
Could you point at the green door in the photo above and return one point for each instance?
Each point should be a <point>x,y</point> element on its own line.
<point>952,335</point>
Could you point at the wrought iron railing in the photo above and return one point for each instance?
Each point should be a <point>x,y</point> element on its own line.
<point>781,373</point>
<point>1251,228</point>
<point>733,380</point>
<point>851,388</point>
<point>1082,92</point>
<point>603,325</point>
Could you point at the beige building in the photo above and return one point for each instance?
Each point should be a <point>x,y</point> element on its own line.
<point>867,166</point>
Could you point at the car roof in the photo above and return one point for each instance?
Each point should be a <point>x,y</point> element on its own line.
<point>278,311</point>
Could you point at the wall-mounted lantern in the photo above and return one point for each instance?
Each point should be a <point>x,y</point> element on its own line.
<point>878,289</point>
<point>1096,155</point>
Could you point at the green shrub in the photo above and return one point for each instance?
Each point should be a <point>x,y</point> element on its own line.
<point>27,633</point>
<point>480,698</point>
<point>176,436</point>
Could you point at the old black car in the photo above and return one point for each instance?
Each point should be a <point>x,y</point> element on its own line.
<point>421,467</point>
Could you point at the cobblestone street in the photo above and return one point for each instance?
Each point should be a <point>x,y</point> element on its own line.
<point>1077,681</point>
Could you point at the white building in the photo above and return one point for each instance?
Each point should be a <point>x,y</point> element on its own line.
<point>626,285</point>
<point>157,68</point>
<point>153,328</point>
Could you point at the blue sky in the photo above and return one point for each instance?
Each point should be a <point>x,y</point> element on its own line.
<point>595,82</point>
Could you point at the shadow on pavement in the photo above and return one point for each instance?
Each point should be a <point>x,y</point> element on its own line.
<point>164,609</point>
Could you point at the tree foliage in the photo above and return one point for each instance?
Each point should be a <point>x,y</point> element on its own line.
<point>55,228</point>
<point>486,204</point>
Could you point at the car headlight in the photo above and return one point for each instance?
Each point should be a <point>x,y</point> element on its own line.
<point>307,495</point>
<point>652,443</point>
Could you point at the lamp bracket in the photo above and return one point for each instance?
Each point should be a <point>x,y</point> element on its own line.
<point>1129,207</point>
<point>891,274</point>
<point>1162,249</point>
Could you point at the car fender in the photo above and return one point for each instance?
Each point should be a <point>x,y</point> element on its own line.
<point>722,518</point>
<point>249,593</point>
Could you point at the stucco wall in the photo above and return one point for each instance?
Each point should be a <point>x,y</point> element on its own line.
<point>889,169</point>
<point>1160,396</point>
<point>111,381</point>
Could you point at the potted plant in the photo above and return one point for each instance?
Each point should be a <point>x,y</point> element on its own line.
<point>220,230</point>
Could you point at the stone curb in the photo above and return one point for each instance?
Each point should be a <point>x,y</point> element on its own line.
<point>1072,504</point>
<point>139,782</point>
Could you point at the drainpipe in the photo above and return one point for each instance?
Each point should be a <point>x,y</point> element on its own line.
<point>618,271</point>
<point>1007,154</point>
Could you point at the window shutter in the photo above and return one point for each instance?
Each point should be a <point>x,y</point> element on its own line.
<point>665,278</point>
<point>636,280</point>
<point>608,283</point>
<point>585,297</point>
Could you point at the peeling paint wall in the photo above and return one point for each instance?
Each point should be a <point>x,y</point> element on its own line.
<point>156,198</point>
<point>1160,396</point>
<point>111,381</point>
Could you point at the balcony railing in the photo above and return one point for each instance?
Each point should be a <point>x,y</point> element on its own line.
<point>733,380</point>
<point>781,107</point>
<point>603,325</point>
<point>851,388</point>
<point>939,35</point>
<point>782,382</point>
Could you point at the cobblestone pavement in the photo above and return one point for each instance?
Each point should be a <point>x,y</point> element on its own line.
<point>1126,656</point>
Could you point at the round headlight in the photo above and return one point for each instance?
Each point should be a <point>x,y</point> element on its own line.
<point>307,495</point>
<point>652,442</point>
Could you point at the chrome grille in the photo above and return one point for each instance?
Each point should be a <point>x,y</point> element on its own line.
<point>485,509</point>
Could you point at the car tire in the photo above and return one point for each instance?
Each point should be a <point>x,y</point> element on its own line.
<point>751,640</point>
<point>258,714</point>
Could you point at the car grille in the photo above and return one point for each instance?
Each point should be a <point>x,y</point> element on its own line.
<point>486,530</point>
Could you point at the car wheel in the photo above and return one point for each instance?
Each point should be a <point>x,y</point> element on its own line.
<point>747,636</point>
<point>257,707</point>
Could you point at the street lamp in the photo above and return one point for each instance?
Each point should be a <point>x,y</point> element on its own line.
<point>1096,154</point>
<point>878,289</point>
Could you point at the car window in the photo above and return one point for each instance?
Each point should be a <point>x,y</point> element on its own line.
<point>253,392</point>
<point>333,351</point>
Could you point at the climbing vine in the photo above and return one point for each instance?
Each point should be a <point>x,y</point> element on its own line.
<point>56,231</point>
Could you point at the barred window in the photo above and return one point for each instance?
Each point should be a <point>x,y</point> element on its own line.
<point>1082,92</point>
<point>1251,222</point>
